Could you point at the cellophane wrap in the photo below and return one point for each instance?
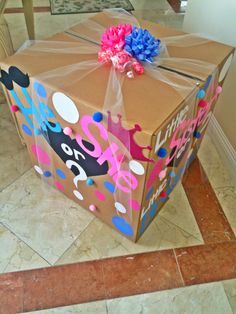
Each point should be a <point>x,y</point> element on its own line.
<point>114,149</point>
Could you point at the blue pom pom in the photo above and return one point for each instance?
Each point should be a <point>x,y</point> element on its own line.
<point>201,94</point>
<point>89,181</point>
<point>142,45</point>
<point>97,116</point>
<point>47,174</point>
<point>162,152</point>
<point>197,134</point>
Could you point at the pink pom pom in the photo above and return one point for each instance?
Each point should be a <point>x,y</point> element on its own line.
<point>218,89</point>
<point>67,131</point>
<point>14,108</point>
<point>92,208</point>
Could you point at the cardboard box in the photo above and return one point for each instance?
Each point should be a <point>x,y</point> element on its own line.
<point>139,151</point>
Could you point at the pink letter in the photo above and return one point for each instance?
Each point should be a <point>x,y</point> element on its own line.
<point>85,122</point>
<point>128,179</point>
<point>175,142</point>
<point>108,155</point>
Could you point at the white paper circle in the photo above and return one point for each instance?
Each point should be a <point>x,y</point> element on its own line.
<point>121,208</point>
<point>225,68</point>
<point>136,167</point>
<point>65,107</point>
<point>78,195</point>
<point>38,169</point>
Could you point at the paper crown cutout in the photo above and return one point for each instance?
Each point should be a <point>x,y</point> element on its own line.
<point>126,136</point>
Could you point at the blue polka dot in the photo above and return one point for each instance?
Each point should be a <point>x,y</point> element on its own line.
<point>201,94</point>
<point>197,134</point>
<point>149,193</point>
<point>26,129</point>
<point>40,90</point>
<point>89,181</point>
<point>109,186</point>
<point>172,174</point>
<point>162,152</point>
<point>97,116</point>
<point>60,173</point>
<point>47,174</point>
<point>207,82</point>
<point>122,225</point>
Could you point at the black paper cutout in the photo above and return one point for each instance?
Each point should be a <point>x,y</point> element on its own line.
<point>89,164</point>
<point>14,75</point>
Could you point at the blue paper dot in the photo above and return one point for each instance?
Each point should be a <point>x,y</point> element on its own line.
<point>97,116</point>
<point>47,174</point>
<point>149,193</point>
<point>89,181</point>
<point>109,186</point>
<point>201,94</point>
<point>40,90</point>
<point>26,129</point>
<point>162,152</point>
<point>197,134</point>
<point>207,82</point>
<point>60,173</point>
<point>122,225</point>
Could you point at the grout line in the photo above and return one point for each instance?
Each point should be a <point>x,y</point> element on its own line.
<point>18,237</point>
<point>14,181</point>
<point>227,296</point>
<point>181,275</point>
<point>172,223</point>
<point>55,263</point>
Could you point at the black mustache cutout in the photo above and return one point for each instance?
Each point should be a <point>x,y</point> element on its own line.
<point>89,164</point>
<point>14,75</point>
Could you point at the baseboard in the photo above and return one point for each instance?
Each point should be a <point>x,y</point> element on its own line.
<point>223,146</point>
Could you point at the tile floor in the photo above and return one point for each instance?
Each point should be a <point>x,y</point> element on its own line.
<point>61,233</point>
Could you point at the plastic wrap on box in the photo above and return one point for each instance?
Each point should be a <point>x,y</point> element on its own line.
<point>115,144</point>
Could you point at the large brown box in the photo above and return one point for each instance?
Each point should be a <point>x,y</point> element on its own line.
<point>134,159</point>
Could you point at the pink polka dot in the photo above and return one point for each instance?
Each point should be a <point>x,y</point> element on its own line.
<point>40,154</point>
<point>100,195</point>
<point>134,204</point>
<point>59,185</point>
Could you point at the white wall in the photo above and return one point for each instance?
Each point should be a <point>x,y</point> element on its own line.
<point>216,19</point>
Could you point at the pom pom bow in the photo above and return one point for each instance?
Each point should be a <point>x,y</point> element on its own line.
<point>126,47</point>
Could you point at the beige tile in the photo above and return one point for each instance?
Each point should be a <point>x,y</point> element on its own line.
<point>17,3</point>
<point>200,299</point>
<point>220,179</point>
<point>150,4</point>
<point>46,25</point>
<point>230,290</point>
<point>178,211</point>
<point>175,226</point>
<point>100,241</point>
<point>165,17</point>
<point>98,307</point>
<point>16,255</point>
<point>216,171</point>
<point>41,216</point>
<point>14,160</point>
<point>227,199</point>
